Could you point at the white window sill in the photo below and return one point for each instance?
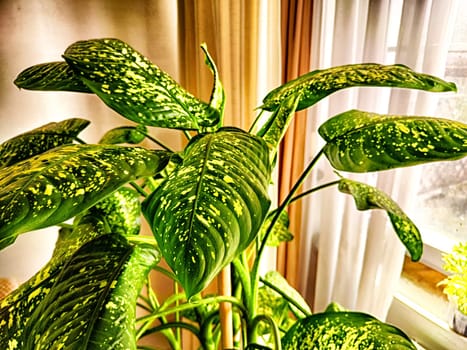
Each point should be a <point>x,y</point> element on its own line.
<point>422,316</point>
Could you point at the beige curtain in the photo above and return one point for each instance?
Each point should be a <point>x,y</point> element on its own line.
<point>296,49</point>
<point>242,36</point>
<point>243,39</point>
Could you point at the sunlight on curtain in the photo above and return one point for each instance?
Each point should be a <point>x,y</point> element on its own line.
<point>296,41</point>
<point>243,38</point>
<point>354,257</point>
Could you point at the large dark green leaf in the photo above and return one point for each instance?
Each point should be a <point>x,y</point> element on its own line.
<point>57,76</point>
<point>59,184</point>
<point>368,197</point>
<point>17,307</point>
<point>344,330</point>
<point>359,141</point>
<point>40,140</point>
<point>211,207</point>
<point>134,87</point>
<point>93,300</point>
<point>314,86</point>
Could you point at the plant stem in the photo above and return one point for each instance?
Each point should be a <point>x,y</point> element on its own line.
<point>282,206</point>
<point>192,305</point>
<point>256,121</point>
<point>272,325</point>
<point>225,309</point>
<point>156,141</point>
<point>187,134</point>
<point>314,189</point>
<point>285,296</point>
<point>171,325</point>
<point>139,189</point>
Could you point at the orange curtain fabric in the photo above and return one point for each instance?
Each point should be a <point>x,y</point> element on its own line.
<point>296,50</point>
<point>230,30</point>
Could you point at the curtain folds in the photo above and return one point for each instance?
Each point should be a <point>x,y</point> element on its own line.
<point>296,48</point>
<point>353,257</point>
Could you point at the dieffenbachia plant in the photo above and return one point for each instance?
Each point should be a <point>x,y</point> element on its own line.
<point>207,205</point>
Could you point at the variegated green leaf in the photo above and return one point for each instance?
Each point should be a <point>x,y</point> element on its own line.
<point>280,232</point>
<point>276,307</point>
<point>134,87</point>
<point>121,211</point>
<point>40,140</point>
<point>314,86</point>
<point>17,308</point>
<point>278,283</point>
<point>359,141</point>
<point>368,197</point>
<point>93,300</point>
<point>124,134</point>
<point>275,127</point>
<point>344,330</point>
<point>59,184</point>
<point>56,76</point>
<point>212,206</point>
<point>217,100</point>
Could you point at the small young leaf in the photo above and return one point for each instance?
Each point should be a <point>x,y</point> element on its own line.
<point>273,305</point>
<point>55,76</point>
<point>275,127</point>
<point>280,232</point>
<point>344,330</point>
<point>59,184</point>
<point>274,278</point>
<point>39,140</point>
<point>217,100</point>
<point>93,300</point>
<point>359,141</point>
<point>212,206</point>
<point>368,197</point>
<point>134,87</point>
<point>124,134</point>
<point>314,86</point>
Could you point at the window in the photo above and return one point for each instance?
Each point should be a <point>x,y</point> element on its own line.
<point>439,210</point>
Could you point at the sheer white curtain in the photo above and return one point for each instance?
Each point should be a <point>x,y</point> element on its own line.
<point>354,257</point>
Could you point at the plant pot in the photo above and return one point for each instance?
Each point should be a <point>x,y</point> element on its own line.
<point>458,321</point>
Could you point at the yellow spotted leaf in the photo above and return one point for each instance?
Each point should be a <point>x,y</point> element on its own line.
<point>211,206</point>
<point>359,141</point>
<point>316,85</point>
<point>59,184</point>
<point>368,197</point>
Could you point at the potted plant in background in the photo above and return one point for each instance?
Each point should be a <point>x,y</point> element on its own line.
<point>207,205</point>
<point>455,287</point>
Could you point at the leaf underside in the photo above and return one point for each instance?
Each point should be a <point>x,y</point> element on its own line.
<point>52,76</point>
<point>40,140</point>
<point>124,134</point>
<point>212,206</point>
<point>359,141</point>
<point>314,86</point>
<point>344,330</point>
<point>57,185</point>
<point>134,87</point>
<point>368,197</point>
